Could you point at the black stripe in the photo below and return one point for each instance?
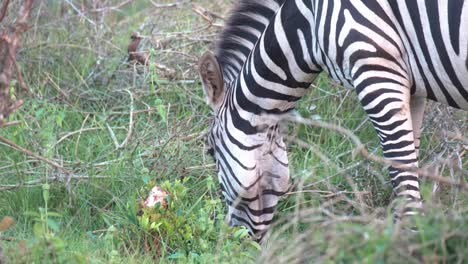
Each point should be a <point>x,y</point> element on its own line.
<point>391,126</point>
<point>398,153</point>
<point>381,105</point>
<point>397,145</point>
<point>228,151</point>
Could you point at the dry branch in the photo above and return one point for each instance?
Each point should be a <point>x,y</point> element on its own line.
<point>207,15</point>
<point>116,7</point>
<point>362,150</point>
<point>56,178</point>
<point>4,9</point>
<point>9,44</point>
<point>176,4</point>
<point>30,153</point>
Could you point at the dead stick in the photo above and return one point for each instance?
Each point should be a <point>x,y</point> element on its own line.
<point>9,44</point>
<point>30,153</point>
<point>361,149</point>
<point>49,179</point>
<point>11,123</point>
<point>4,9</point>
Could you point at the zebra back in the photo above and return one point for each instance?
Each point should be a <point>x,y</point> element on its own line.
<point>247,21</point>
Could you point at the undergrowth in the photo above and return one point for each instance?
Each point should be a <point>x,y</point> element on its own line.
<point>120,128</point>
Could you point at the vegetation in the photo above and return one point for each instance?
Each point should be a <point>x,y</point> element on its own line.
<point>115,128</point>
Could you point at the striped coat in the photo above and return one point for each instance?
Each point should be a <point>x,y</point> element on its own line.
<point>394,54</point>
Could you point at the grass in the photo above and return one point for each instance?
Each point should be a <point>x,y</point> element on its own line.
<point>82,95</point>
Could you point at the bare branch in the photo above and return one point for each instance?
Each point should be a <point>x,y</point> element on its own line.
<point>13,145</point>
<point>176,4</point>
<point>362,150</point>
<point>207,15</point>
<point>4,9</point>
<point>9,44</point>
<point>130,123</point>
<point>37,182</point>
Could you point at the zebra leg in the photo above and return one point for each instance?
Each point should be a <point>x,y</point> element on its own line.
<point>387,104</point>
<point>417,113</point>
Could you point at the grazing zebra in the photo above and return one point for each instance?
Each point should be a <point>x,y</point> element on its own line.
<point>394,53</point>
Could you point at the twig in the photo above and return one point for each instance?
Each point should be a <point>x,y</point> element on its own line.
<point>457,136</point>
<point>30,153</point>
<point>69,134</point>
<point>201,12</point>
<point>9,44</point>
<point>194,136</point>
<point>361,149</point>
<point>57,87</point>
<point>207,15</point>
<point>11,123</point>
<point>80,131</point>
<point>99,231</point>
<point>19,76</point>
<point>80,13</point>
<point>49,179</point>
<point>8,239</point>
<point>207,12</point>
<point>4,9</point>
<point>79,136</point>
<point>326,194</point>
<point>130,123</point>
<point>103,9</point>
<point>176,4</point>
<point>135,112</point>
<point>114,138</point>
<point>205,166</point>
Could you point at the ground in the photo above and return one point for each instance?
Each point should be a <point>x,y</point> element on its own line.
<point>114,128</point>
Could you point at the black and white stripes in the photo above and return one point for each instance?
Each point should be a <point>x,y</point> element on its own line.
<point>395,54</point>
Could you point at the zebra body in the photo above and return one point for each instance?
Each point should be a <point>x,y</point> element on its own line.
<point>395,54</point>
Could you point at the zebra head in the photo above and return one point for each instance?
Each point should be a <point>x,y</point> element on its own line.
<point>248,149</point>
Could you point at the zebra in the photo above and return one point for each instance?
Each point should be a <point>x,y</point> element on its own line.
<point>394,53</point>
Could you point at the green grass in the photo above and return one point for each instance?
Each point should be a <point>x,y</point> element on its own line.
<point>82,94</point>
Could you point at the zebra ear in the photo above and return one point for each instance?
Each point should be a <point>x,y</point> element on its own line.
<point>212,79</point>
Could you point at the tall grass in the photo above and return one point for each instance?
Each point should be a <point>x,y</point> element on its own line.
<point>83,94</point>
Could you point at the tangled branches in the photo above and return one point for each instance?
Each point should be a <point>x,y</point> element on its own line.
<point>9,44</point>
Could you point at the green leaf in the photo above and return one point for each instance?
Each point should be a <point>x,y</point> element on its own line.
<point>255,245</point>
<point>144,221</point>
<point>176,255</point>
<point>146,179</point>
<point>53,225</point>
<point>45,192</point>
<point>54,214</point>
<point>155,225</point>
<point>59,118</point>
<point>161,108</point>
<point>38,229</point>
<point>241,233</point>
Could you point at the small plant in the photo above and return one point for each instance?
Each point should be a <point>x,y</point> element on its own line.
<point>188,227</point>
<point>46,246</point>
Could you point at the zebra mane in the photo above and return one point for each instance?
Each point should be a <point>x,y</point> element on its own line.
<point>247,21</point>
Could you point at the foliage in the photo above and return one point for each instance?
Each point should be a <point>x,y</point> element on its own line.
<point>187,230</point>
<point>344,239</point>
<point>45,246</point>
<point>83,93</point>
